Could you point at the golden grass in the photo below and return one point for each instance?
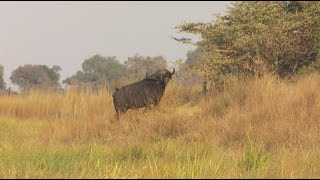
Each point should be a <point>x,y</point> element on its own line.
<point>260,127</point>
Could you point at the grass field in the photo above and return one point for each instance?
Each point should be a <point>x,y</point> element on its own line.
<point>255,128</point>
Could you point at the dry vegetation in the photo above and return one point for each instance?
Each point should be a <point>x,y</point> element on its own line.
<point>263,128</point>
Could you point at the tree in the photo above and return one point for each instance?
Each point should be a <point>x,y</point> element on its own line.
<point>255,38</point>
<point>98,70</point>
<point>35,76</point>
<point>2,83</point>
<point>137,66</point>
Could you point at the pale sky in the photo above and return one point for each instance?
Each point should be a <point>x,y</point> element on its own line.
<point>67,33</point>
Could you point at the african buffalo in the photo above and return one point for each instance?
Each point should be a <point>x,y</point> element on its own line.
<point>144,93</point>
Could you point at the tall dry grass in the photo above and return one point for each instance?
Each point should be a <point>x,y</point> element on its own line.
<point>277,113</point>
<point>254,118</point>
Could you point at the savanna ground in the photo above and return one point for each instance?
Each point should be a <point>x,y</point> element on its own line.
<point>255,128</point>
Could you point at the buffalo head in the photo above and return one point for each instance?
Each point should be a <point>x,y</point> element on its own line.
<point>162,75</point>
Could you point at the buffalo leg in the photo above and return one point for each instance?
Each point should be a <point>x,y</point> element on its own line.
<point>148,107</point>
<point>156,105</point>
<point>118,115</point>
<point>119,112</point>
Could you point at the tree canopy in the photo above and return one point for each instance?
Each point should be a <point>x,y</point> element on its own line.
<point>35,76</point>
<point>97,70</point>
<point>137,65</point>
<point>255,38</point>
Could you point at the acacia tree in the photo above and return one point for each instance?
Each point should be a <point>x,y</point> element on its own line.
<point>2,83</point>
<point>255,38</point>
<point>35,76</point>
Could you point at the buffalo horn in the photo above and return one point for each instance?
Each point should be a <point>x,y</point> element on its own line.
<point>173,71</point>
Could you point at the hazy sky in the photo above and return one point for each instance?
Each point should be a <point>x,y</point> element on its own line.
<point>67,33</point>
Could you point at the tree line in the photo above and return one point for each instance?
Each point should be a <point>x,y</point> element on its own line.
<point>97,71</point>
